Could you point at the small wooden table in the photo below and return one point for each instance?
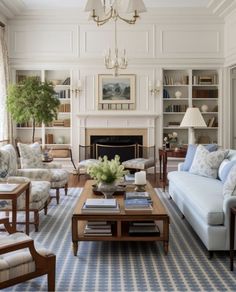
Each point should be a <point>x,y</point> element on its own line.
<point>121,220</point>
<point>163,156</point>
<point>231,237</point>
<point>13,195</point>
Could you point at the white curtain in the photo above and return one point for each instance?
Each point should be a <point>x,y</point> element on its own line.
<point>4,121</point>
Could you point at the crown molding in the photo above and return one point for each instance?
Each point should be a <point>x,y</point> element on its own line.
<point>10,9</point>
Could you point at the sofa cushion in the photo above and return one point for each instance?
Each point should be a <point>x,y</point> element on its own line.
<point>205,195</point>
<point>206,163</point>
<point>229,188</point>
<point>30,155</point>
<point>4,163</point>
<point>191,153</point>
<point>225,168</point>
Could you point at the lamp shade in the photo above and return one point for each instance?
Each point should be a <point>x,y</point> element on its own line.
<point>193,118</point>
<point>137,5</point>
<point>93,5</point>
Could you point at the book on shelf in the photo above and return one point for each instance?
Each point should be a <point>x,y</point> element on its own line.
<point>8,187</point>
<point>211,122</point>
<point>143,223</point>
<point>104,203</point>
<point>144,230</point>
<point>98,229</point>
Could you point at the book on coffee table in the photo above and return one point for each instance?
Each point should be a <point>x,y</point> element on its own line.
<point>100,203</point>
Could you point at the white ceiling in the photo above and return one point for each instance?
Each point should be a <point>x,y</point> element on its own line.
<point>52,4</point>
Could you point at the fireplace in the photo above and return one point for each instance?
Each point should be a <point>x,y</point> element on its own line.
<point>124,146</point>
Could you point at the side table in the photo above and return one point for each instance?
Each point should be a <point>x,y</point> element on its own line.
<point>231,236</point>
<point>13,195</point>
<point>163,157</point>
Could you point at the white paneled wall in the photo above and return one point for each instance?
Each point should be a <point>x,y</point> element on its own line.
<point>230,39</point>
<point>157,42</point>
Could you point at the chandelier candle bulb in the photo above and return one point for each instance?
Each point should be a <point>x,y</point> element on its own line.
<point>140,178</point>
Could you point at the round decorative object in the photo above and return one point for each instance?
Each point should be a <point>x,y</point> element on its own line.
<point>61,140</point>
<point>204,108</point>
<point>178,94</point>
<point>107,189</point>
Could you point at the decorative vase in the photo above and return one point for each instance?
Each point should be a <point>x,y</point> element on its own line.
<point>204,108</point>
<point>178,94</point>
<point>107,189</point>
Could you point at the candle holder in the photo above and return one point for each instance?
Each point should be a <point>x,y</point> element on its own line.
<point>140,188</point>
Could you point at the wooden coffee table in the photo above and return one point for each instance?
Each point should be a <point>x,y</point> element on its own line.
<point>121,220</point>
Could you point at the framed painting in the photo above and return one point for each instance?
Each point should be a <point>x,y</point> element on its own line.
<point>116,92</point>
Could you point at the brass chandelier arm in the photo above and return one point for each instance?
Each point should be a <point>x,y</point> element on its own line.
<point>129,21</point>
<point>102,21</point>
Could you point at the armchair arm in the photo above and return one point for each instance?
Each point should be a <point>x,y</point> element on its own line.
<point>17,179</point>
<point>7,225</point>
<point>180,165</point>
<point>35,173</point>
<point>40,260</point>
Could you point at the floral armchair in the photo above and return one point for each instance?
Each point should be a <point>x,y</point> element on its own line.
<point>31,159</point>
<point>21,261</point>
<point>40,185</point>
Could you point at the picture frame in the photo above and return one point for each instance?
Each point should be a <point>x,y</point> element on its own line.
<point>116,92</point>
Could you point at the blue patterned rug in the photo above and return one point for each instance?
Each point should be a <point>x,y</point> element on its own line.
<point>133,266</point>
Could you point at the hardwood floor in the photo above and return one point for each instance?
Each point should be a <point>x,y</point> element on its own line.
<point>74,182</point>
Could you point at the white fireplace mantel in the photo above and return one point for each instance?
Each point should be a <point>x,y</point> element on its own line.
<point>115,120</point>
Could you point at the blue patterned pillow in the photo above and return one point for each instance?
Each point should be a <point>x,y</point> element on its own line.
<point>191,153</point>
<point>225,168</point>
<point>206,163</point>
<point>229,188</point>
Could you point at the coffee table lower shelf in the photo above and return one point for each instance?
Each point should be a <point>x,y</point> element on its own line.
<point>119,233</point>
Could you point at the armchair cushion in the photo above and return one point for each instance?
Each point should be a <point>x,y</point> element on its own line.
<point>4,162</point>
<point>30,155</point>
<point>139,163</point>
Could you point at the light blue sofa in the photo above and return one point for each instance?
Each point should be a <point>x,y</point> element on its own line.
<point>201,201</point>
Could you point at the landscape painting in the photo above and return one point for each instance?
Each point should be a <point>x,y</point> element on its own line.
<point>120,89</point>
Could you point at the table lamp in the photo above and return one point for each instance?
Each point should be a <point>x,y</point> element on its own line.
<point>192,119</point>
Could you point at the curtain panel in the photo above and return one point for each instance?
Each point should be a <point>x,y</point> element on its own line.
<point>4,78</point>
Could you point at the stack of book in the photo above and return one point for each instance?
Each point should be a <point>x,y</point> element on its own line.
<point>138,195</point>
<point>95,206</point>
<point>129,178</point>
<point>98,228</point>
<point>138,203</point>
<point>144,228</point>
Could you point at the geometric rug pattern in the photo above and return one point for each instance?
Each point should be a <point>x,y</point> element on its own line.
<point>129,266</point>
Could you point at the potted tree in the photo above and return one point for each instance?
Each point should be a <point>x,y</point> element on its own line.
<point>32,100</point>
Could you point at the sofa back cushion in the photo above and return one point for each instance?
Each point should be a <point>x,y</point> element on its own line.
<point>13,166</point>
<point>30,155</point>
<point>206,163</point>
<point>4,164</point>
<point>191,153</point>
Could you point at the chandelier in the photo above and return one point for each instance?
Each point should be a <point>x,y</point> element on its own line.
<point>118,62</point>
<point>101,11</point>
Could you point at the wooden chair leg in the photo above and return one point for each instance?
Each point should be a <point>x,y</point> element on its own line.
<point>66,189</point>
<point>57,195</point>
<point>45,209</point>
<point>36,220</point>
<point>52,274</point>
<point>78,175</point>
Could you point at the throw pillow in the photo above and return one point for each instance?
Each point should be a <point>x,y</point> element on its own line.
<point>30,155</point>
<point>206,163</point>
<point>230,184</point>
<point>225,168</point>
<point>4,163</point>
<point>191,153</point>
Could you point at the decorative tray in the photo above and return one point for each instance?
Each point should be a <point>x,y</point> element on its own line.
<point>120,190</point>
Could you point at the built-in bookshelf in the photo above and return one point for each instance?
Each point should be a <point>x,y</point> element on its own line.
<point>186,88</point>
<point>57,132</point>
